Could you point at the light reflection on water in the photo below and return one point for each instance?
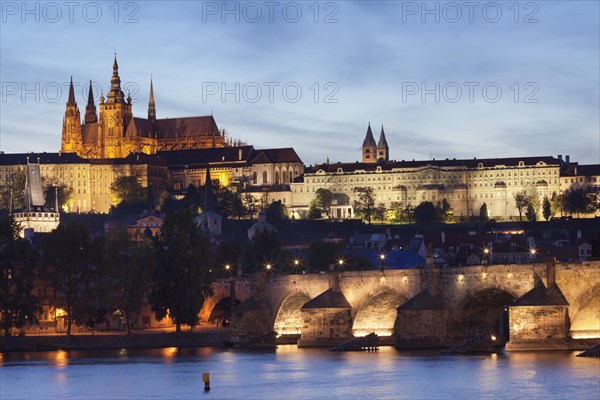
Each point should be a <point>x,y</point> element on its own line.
<point>293,373</point>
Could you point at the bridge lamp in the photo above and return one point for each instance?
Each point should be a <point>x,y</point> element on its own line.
<point>268,267</point>
<point>382,262</point>
<point>227,267</point>
<point>341,262</point>
<point>493,338</point>
<point>296,262</point>
<point>533,253</point>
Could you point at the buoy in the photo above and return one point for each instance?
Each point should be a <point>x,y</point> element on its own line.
<point>206,379</point>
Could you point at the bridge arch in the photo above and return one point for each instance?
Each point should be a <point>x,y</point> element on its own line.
<point>221,312</point>
<point>585,321</point>
<point>377,313</point>
<point>484,311</point>
<point>288,320</point>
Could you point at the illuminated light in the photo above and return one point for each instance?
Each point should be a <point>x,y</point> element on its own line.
<point>484,275</point>
<point>341,262</point>
<point>61,359</point>
<point>382,280</point>
<point>378,331</point>
<point>493,338</point>
<point>169,352</point>
<point>405,279</point>
<point>585,334</point>
<point>123,352</point>
<point>509,275</point>
<point>268,267</point>
<point>296,262</point>
<point>60,312</point>
<point>461,278</point>
<point>227,267</point>
<point>382,257</point>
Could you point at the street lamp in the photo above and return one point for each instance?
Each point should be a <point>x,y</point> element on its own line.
<point>382,262</point>
<point>486,255</point>
<point>533,253</point>
<point>268,267</point>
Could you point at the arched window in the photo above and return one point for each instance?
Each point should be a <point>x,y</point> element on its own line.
<point>254,178</point>
<point>284,176</point>
<point>264,178</point>
<point>277,177</point>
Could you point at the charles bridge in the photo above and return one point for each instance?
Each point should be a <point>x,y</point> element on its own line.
<point>525,306</point>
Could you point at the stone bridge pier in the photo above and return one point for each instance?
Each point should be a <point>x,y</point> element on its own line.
<point>528,306</point>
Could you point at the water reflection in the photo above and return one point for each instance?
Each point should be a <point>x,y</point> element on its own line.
<point>295,373</point>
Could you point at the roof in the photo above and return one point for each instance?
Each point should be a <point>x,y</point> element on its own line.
<point>44,158</point>
<point>369,139</point>
<point>542,296</point>
<point>205,156</point>
<point>89,133</point>
<point>186,127</point>
<point>470,163</point>
<point>267,156</point>
<point>328,299</point>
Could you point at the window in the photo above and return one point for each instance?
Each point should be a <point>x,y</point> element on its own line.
<point>254,177</point>
<point>264,180</point>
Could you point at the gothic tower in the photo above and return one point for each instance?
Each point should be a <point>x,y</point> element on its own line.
<point>90,110</point>
<point>383,151</point>
<point>115,115</point>
<point>151,106</point>
<point>71,132</point>
<point>369,147</point>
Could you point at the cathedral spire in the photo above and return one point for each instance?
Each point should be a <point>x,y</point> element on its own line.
<point>71,101</point>
<point>151,105</point>
<point>115,95</point>
<point>90,110</point>
<point>382,147</point>
<point>369,147</point>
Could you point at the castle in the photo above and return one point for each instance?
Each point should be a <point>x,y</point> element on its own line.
<point>116,133</point>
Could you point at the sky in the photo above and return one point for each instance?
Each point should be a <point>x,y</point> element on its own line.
<point>445,79</point>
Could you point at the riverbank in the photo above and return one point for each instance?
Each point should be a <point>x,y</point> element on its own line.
<point>108,341</point>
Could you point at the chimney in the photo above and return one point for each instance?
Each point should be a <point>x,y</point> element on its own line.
<point>567,159</point>
<point>560,157</point>
<point>240,154</point>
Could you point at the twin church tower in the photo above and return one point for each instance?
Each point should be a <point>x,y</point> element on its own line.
<point>373,152</point>
<point>116,133</point>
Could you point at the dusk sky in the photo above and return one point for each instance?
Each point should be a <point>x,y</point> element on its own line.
<point>446,79</point>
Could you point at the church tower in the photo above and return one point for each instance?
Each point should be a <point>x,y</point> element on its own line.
<point>383,151</point>
<point>369,147</point>
<point>151,106</point>
<point>71,131</point>
<point>90,110</point>
<point>115,115</point>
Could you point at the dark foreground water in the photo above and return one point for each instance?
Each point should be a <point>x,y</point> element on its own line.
<point>291,373</point>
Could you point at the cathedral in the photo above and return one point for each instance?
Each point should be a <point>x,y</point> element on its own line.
<point>116,133</point>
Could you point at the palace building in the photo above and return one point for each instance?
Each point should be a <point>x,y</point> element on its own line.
<point>116,133</point>
<point>465,184</point>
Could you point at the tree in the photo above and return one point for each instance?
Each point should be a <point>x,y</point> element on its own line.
<point>400,213</point>
<point>313,212</point>
<point>15,190</point>
<point>483,213</point>
<point>68,248</point>
<point>323,201</point>
<point>365,204</point>
<point>445,211</point>
<point>379,212</point>
<point>129,264</point>
<point>264,248</point>
<point>250,205</point>
<point>577,200</point>
<point>127,189</point>
<point>181,278</point>
<point>531,215</point>
<point>425,213</point>
<point>546,209</point>
<point>521,202</point>
<point>321,255</point>
<point>17,305</point>
<point>277,213</point>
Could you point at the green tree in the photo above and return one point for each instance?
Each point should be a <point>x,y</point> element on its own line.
<point>379,212</point>
<point>445,211</point>
<point>129,264</point>
<point>15,189</point>
<point>127,189</point>
<point>483,213</point>
<point>323,201</point>
<point>17,305</point>
<point>264,248</point>
<point>531,215</point>
<point>425,213</point>
<point>321,255</point>
<point>181,278</point>
<point>577,200</point>
<point>521,202</point>
<point>365,204</point>
<point>250,205</point>
<point>68,248</point>
<point>54,188</point>
<point>547,209</point>
<point>277,213</point>
<point>313,212</point>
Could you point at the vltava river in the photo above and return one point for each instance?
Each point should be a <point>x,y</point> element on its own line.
<point>291,373</point>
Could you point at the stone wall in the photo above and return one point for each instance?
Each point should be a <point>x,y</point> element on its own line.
<point>325,326</point>
<point>538,323</point>
<point>422,328</point>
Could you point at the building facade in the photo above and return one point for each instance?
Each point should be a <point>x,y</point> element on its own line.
<point>465,184</point>
<point>116,133</point>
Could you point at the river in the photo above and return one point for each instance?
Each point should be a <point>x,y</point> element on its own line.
<point>291,373</point>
